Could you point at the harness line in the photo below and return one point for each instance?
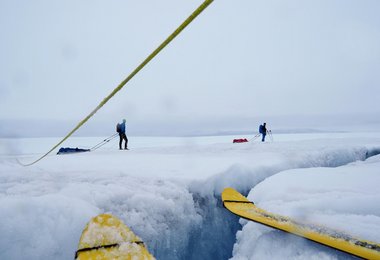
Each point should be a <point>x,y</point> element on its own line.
<point>199,10</point>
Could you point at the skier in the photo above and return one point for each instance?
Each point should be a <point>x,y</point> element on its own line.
<point>120,128</point>
<point>263,131</point>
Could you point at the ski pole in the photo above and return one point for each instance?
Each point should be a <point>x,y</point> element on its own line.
<point>270,135</point>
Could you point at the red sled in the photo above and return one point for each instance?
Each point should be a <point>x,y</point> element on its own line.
<point>242,140</point>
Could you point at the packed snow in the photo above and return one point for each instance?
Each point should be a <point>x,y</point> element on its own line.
<point>167,190</point>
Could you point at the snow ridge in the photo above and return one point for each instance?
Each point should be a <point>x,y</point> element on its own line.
<point>169,196</point>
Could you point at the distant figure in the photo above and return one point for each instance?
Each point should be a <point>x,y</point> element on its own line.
<point>120,128</point>
<point>263,131</point>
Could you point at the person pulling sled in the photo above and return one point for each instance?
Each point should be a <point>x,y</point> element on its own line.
<point>120,128</point>
<point>263,131</point>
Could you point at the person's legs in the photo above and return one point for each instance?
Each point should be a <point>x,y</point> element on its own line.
<point>126,142</point>
<point>120,140</point>
<point>263,139</point>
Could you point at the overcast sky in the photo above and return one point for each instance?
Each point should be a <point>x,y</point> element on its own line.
<point>239,59</point>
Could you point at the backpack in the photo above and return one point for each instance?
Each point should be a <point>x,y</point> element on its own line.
<point>261,129</point>
<point>118,128</point>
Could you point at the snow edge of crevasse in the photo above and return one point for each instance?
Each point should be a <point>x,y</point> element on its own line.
<point>215,237</point>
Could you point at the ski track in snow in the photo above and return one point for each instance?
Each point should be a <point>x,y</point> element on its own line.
<point>169,195</point>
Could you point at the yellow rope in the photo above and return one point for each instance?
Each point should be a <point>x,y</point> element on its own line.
<point>122,84</point>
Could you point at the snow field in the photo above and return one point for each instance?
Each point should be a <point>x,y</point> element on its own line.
<point>169,195</point>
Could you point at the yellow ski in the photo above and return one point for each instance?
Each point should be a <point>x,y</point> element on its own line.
<point>106,237</point>
<point>241,206</point>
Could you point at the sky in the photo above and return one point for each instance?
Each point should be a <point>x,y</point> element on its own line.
<point>238,64</point>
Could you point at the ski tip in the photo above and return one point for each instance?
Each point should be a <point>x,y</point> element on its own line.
<point>230,195</point>
<point>107,237</point>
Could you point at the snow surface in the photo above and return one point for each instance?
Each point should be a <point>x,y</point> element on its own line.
<point>167,190</point>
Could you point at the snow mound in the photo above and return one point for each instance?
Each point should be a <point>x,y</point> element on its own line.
<point>343,198</point>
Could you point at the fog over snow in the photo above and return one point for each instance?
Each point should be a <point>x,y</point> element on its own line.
<point>168,191</point>
<point>310,69</point>
<point>287,62</point>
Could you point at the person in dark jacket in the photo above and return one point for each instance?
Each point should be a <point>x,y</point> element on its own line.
<point>263,131</point>
<point>121,130</point>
